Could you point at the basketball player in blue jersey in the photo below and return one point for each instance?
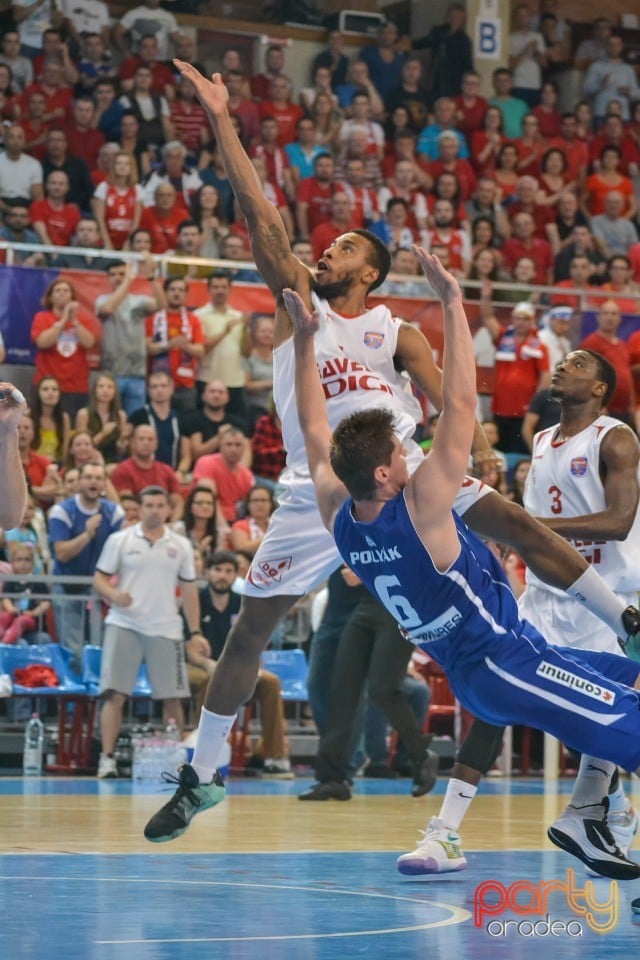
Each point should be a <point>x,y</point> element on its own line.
<point>397,531</point>
<point>359,351</point>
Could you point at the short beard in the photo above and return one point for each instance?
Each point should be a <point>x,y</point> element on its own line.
<point>331,291</point>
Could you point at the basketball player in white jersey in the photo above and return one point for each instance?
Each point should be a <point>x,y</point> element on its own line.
<point>583,484</point>
<point>358,351</point>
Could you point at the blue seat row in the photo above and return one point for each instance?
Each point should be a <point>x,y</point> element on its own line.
<point>52,655</point>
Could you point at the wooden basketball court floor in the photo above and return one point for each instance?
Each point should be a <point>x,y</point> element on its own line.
<point>266,876</point>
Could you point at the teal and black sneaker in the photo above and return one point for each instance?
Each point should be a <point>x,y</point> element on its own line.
<point>630,643</point>
<point>190,798</point>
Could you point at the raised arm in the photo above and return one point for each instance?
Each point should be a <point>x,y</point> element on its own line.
<point>269,242</point>
<point>433,488</point>
<point>14,488</point>
<point>312,410</point>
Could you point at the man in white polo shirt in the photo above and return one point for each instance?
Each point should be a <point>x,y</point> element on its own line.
<point>149,561</point>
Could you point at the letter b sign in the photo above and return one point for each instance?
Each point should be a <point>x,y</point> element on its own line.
<point>488,38</point>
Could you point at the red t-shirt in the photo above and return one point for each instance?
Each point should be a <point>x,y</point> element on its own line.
<point>627,147</point>
<point>478,143</point>
<point>129,475</point>
<point>568,300</point>
<point>36,469</point>
<point>318,197</point>
<point>463,171</point>
<point>597,191</point>
<point>576,153</point>
<point>540,252</point>
<point>276,160</point>
<point>62,99</point>
<point>120,207</point>
<point>67,360</point>
<point>518,370</point>
<point>550,121</point>
<point>233,486</point>
<point>161,75</point>
<point>286,116</point>
<point>323,236</point>
<point>39,150</point>
<point>617,353</point>
<point>470,117</point>
<point>541,215</point>
<point>176,362</point>
<point>60,224</point>
<point>84,144</point>
<point>189,119</point>
<point>163,227</point>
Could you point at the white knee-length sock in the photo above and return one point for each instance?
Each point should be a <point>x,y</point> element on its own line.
<point>213,730</point>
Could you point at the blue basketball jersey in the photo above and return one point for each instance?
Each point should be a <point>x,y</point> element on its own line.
<point>464,612</point>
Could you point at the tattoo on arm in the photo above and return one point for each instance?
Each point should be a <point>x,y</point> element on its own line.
<point>273,237</point>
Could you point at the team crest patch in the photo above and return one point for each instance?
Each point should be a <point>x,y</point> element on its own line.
<point>172,552</point>
<point>579,466</point>
<point>269,571</point>
<point>373,339</point>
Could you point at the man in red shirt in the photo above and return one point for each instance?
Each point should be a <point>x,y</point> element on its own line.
<point>162,80</point>
<point>634,260</point>
<point>241,106</point>
<point>59,96</point>
<point>606,342</point>
<point>522,368</point>
<point>83,139</point>
<point>612,135</point>
<point>470,106</point>
<point>445,234</point>
<point>35,126</point>
<point>232,480</point>
<point>163,218</point>
<point>313,202</point>
<point>142,470</point>
<point>278,165</point>
<point>526,190</point>
<point>523,243</point>
<point>54,220</point>
<point>325,233</point>
<point>580,270</point>
<point>279,105</point>
<point>448,161</point>
<point>576,151</point>
<point>175,341</point>
<point>364,202</point>
<point>274,66</point>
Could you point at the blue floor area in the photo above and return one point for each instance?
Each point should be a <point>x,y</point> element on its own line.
<point>315,906</point>
<point>241,786</point>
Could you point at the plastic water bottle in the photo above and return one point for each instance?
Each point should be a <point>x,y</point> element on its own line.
<point>33,747</point>
<point>172,733</point>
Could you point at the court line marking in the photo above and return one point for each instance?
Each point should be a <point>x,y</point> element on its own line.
<point>458,914</point>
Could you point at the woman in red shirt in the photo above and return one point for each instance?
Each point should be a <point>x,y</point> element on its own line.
<point>64,332</point>
<point>607,179</point>
<point>117,203</point>
<point>248,533</point>
<point>486,143</point>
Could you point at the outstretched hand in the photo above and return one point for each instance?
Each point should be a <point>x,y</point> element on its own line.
<point>212,94</point>
<point>443,282</point>
<point>305,323</point>
<point>12,406</point>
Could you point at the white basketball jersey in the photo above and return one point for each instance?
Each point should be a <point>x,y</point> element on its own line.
<point>355,360</point>
<point>564,480</point>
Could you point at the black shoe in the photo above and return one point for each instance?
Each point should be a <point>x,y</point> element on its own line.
<point>425,774</point>
<point>190,798</point>
<point>331,790</point>
<point>379,771</point>
<point>630,643</point>
<point>584,833</point>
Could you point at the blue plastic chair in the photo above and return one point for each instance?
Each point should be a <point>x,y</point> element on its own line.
<point>91,660</point>
<point>291,668</point>
<point>47,655</point>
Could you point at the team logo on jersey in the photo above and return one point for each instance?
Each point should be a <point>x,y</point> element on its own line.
<point>373,339</point>
<point>266,572</point>
<point>370,542</point>
<point>172,552</point>
<point>579,466</point>
<point>573,680</point>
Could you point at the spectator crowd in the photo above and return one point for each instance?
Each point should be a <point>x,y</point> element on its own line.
<point>105,147</point>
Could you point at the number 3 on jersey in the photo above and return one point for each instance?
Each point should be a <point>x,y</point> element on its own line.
<point>556,499</point>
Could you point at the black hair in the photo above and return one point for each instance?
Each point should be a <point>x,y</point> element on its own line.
<point>381,258</point>
<point>222,556</point>
<point>606,373</point>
